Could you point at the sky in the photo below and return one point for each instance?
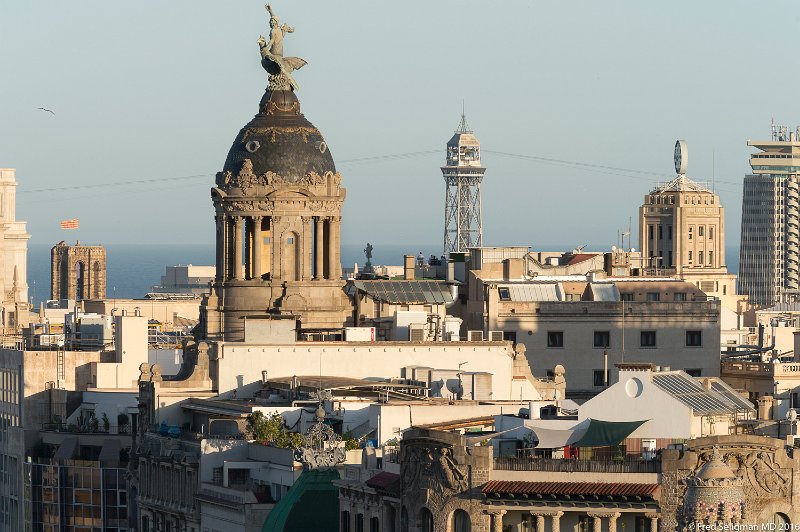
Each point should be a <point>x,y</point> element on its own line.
<point>577,106</point>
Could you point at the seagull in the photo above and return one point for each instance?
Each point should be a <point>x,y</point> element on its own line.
<point>47,110</point>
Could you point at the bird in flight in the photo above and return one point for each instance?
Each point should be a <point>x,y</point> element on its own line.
<point>47,110</point>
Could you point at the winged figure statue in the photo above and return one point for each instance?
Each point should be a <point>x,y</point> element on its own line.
<point>280,68</point>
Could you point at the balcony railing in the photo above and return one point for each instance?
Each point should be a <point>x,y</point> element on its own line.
<point>567,465</point>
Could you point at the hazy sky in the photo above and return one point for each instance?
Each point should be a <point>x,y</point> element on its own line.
<point>153,90</point>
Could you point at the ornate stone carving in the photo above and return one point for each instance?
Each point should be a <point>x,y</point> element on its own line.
<point>320,448</point>
<point>248,206</point>
<point>431,467</point>
<point>273,132</point>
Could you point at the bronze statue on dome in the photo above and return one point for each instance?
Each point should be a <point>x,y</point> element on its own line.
<point>279,68</point>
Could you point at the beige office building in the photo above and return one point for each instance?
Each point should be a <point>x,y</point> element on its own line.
<point>682,233</point>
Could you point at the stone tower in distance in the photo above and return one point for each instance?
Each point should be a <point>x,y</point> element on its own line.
<point>77,272</point>
<point>463,173</point>
<point>278,211</point>
<point>13,256</point>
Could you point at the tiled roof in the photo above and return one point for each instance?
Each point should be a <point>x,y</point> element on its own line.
<point>384,481</point>
<point>570,488</point>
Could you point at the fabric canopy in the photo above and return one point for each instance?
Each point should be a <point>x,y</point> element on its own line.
<point>555,438</point>
<point>605,433</point>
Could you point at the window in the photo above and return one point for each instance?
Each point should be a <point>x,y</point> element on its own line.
<point>598,377</point>
<point>505,294</point>
<point>669,232</point>
<point>701,230</point>
<point>694,338</point>
<point>290,240</point>
<point>555,338</point>
<point>461,521</point>
<point>628,296</point>
<point>584,523</point>
<point>602,339</point>
<point>680,296</point>
<point>653,296</point>
<point>694,372</point>
<point>650,232</point>
<point>690,232</point>
<point>660,232</point>
<point>690,257</point>
<point>648,339</point>
<point>710,258</point>
<point>711,232</point>
<point>699,257</point>
<point>670,258</point>
<point>345,521</point>
<point>426,520</point>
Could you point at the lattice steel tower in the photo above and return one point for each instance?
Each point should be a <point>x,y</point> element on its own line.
<point>463,173</point>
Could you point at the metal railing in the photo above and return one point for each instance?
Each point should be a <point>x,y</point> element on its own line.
<point>628,464</point>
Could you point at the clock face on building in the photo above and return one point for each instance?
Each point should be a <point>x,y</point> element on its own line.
<point>681,157</point>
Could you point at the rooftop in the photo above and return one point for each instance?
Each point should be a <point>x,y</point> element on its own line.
<point>590,489</point>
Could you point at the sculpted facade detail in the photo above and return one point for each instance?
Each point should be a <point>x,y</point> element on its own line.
<point>247,180</point>
<point>761,475</point>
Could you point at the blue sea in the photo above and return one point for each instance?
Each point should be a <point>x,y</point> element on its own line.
<point>133,269</point>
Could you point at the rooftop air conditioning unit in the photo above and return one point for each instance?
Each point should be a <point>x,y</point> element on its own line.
<point>495,336</point>
<point>475,336</point>
<point>416,332</point>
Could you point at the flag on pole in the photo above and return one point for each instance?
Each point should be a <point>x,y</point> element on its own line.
<point>69,224</point>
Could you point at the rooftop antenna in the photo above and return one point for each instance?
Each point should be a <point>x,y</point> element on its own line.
<point>713,170</point>
<point>462,127</point>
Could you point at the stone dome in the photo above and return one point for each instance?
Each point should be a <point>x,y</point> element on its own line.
<point>279,139</point>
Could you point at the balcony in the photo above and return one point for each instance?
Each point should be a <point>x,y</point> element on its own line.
<point>628,464</point>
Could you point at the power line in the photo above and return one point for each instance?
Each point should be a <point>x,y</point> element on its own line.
<point>593,167</point>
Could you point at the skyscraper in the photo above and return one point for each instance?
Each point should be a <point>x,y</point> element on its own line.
<point>770,242</point>
<point>463,173</point>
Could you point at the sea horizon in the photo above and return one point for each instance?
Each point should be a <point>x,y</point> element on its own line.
<point>132,269</point>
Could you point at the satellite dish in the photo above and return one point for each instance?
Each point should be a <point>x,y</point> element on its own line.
<point>633,250</point>
<point>613,248</point>
<point>454,387</point>
<point>791,415</point>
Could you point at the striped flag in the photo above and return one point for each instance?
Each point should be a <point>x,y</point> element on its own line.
<point>69,224</point>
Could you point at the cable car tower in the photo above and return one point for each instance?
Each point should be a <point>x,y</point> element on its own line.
<point>463,173</point>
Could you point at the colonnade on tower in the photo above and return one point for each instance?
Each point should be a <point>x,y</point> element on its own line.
<point>258,247</point>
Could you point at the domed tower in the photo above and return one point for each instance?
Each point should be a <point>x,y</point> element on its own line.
<point>714,497</point>
<point>278,204</point>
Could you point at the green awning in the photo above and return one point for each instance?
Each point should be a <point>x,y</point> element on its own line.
<point>312,503</point>
<point>605,433</point>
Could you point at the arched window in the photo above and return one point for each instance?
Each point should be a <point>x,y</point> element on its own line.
<point>780,520</point>
<point>403,520</point>
<point>425,520</point>
<point>80,281</point>
<point>461,521</point>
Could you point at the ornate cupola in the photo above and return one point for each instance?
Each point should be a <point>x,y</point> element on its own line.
<point>278,204</point>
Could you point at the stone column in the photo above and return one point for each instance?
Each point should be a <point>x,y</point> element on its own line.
<point>318,251</point>
<point>258,244</point>
<point>238,272</point>
<point>539,521</point>
<point>248,247</point>
<point>496,520</point>
<point>336,272</point>
<point>331,248</point>
<point>556,521</point>
<point>222,227</point>
<point>612,521</point>
<point>653,521</point>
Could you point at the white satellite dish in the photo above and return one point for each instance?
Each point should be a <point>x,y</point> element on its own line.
<point>613,248</point>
